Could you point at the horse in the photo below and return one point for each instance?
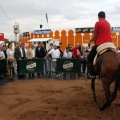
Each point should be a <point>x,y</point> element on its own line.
<point>108,69</point>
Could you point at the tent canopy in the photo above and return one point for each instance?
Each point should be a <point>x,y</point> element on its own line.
<point>40,39</point>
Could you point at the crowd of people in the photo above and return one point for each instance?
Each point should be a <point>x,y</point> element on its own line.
<point>55,51</point>
<point>102,34</point>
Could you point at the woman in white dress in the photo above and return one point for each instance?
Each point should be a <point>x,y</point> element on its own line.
<point>10,57</point>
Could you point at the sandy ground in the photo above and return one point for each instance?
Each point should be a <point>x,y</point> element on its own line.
<point>54,100</point>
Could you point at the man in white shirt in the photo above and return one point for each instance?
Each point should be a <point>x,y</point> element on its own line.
<point>2,55</point>
<point>55,53</point>
<point>31,55</point>
<point>31,52</point>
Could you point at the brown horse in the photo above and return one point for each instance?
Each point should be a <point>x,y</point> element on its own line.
<point>108,69</point>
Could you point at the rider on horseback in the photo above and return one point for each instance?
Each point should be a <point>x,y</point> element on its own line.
<point>102,34</point>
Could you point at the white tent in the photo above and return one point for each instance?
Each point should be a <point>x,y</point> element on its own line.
<point>47,41</point>
<point>40,39</point>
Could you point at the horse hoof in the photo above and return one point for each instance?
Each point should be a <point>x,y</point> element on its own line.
<point>97,109</point>
<point>95,102</point>
<point>11,78</point>
<point>100,109</point>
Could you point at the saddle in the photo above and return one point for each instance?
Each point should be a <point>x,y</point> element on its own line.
<point>102,49</point>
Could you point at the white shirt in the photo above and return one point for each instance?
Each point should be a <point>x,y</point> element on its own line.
<point>67,54</point>
<point>33,53</point>
<point>21,51</point>
<point>54,53</point>
<point>25,51</point>
<point>10,53</point>
<point>2,55</point>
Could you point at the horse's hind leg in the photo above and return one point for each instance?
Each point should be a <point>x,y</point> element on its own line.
<point>112,97</point>
<point>114,94</point>
<point>93,89</point>
<point>117,86</point>
<point>106,88</point>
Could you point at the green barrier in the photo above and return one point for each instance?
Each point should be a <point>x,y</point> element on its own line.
<point>68,65</point>
<point>29,66</point>
<point>3,65</point>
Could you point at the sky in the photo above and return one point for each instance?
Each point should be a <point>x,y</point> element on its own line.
<point>62,14</point>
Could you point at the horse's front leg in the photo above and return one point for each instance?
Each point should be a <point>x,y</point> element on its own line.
<point>93,89</point>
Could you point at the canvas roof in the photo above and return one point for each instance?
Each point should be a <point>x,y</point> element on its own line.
<point>40,39</point>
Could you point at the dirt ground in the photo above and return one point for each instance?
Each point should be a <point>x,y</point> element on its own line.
<point>54,100</point>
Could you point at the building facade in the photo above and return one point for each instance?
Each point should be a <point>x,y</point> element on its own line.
<point>67,36</point>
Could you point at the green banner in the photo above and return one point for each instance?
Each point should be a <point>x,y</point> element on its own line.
<point>68,65</point>
<point>29,66</point>
<point>3,65</point>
